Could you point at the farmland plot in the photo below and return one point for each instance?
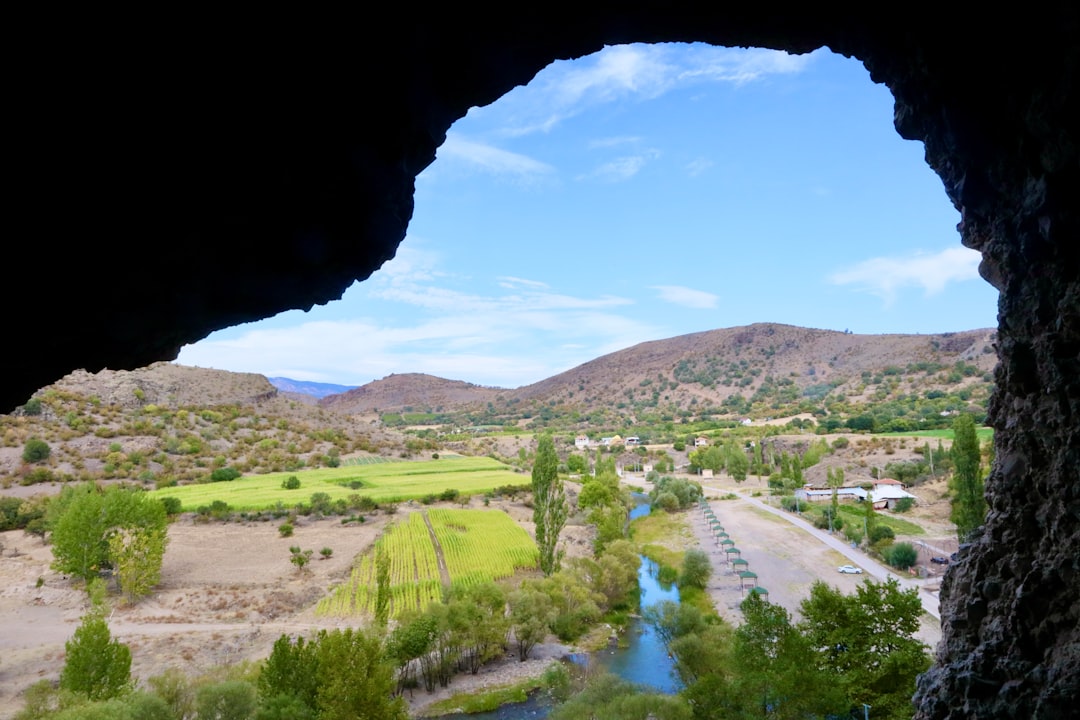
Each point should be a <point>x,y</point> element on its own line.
<point>476,546</point>
<point>382,482</point>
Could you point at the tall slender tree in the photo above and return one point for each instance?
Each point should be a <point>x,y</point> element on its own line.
<point>549,504</point>
<point>966,487</point>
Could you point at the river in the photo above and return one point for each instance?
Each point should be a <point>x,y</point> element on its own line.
<point>643,659</point>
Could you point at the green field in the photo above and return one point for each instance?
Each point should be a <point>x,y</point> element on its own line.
<point>982,433</point>
<point>382,482</point>
<point>476,546</point>
<point>854,514</point>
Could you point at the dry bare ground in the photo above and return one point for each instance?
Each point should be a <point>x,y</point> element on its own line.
<point>228,591</point>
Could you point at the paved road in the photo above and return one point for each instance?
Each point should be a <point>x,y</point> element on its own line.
<point>870,566</point>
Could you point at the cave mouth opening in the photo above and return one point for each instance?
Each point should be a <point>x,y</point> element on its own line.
<point>639,193</point>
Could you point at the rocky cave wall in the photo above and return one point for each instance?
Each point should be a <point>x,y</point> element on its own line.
<point>195,176</point>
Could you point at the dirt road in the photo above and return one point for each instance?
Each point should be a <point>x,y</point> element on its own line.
<point>788,555</point>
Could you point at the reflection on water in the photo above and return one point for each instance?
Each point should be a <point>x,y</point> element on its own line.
<point>645,659</point>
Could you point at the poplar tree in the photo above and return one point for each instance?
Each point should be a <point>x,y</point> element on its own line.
<point>549,504</point>
<point>966,487</point>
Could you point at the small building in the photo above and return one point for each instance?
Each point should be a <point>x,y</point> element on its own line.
<point>581,442</point>
<point>701,442</point>
<point>886,496</point>
<point>706,472</point>
<point>812,494</point>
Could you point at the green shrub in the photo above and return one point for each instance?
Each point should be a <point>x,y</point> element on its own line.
<point>667,501</point>
<point>173,506</point>
<point>291,483</point>
<point>696,569</point>
<point>224,474</point>
<point>35,450</point>
<point>285,529</point>
<point>881,532</point>
<point>905,504</point>
<point>902,555</point>
<point>38,475</point>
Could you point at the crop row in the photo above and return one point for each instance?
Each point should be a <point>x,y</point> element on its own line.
<point>477,546</point>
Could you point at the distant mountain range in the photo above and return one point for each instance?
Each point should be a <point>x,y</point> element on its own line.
<point>760,370</point>
<point>736,370</point>
<point>314,389</point>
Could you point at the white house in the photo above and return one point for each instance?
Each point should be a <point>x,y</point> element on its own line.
<point>886,496</point>
<point>581,442</point>
<point>701,442</point>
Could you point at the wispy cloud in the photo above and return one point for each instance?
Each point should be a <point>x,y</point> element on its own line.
<point>508,331</point>
<point>622,168</point>
<point>697,166</point>
<point>635,72</point>
<point>511,282</point>
<point>687,297</point>
<point>614,141</point>
<point>886,276</point>
<point>491,159</point>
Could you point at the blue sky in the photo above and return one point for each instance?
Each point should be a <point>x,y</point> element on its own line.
<point>640,193</point>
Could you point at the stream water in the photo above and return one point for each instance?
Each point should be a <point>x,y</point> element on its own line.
<point>643,659</point>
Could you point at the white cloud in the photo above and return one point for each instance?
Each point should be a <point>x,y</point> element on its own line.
<point>491,159</point>
<point>614,141</point>
<point>520,332</point>
<point>698,165</point>
<point>886,276</point>
<point>622,168</point>
<point>511,282</point>
<point>634,72</point>
<point>687,297</point>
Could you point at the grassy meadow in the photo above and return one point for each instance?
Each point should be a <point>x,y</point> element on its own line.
<point>382,482</point>
<point>981,432</point>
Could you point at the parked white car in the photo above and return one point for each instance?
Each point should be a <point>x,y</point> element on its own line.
<point>849,569</point>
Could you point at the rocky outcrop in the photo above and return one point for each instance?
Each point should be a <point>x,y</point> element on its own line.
<point>194,175</point>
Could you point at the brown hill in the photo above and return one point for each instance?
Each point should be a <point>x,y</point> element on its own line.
<point>714,365</point>
<point>765,364</point>
<point>411,390</point>
<point>169,385</point>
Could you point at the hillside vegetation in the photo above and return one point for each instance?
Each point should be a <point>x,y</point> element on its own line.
<point>170,425</point>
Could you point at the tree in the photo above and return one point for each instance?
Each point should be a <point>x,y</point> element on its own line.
<point>95,665</point>
<point>549,504</point>
<point>299,558</point>
<point>85,520</point>
<point>966,486</point>
<point>696,569</point>
<point>35,450</point>
<point>137,554</point>
<point>382,587</point>
<point>866,643</point>
<point>291,671</point>
<point>229,700</point>
<point>531,612</point>
<point>356,680</point>
<point>774,673</point>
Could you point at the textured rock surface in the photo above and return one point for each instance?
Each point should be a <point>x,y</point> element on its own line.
<point>180,179</point>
